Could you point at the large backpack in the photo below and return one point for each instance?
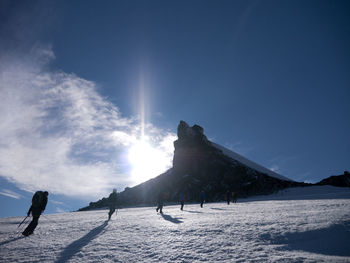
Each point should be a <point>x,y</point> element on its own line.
<point>38,199</point>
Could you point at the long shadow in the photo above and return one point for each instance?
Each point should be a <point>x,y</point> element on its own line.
<point>171,219</point>
<point>11,223</point>
<point>77,245</point>
<point>215,208</point>
<point>195,212</point>
<point>334,240</point>
<point>11,240</point>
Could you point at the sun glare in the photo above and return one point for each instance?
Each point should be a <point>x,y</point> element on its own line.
<point>146,161</point>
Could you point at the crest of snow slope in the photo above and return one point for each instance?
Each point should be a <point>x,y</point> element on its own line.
<point>265,231</point>
<point>249,163</point>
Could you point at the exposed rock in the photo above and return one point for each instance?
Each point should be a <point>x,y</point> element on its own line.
<point>342,180</point>
<point>198,165</point>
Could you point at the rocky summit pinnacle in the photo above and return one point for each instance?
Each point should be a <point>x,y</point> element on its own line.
<point>201,165</point>
<point>190,147</point>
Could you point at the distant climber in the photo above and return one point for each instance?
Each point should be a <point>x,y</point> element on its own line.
<point>202,198</point>
<point>38,206</point>
<point>182,200</point>
<point>112,203</point>
<point>228,197</point>
<point>160,202</point>
<point>234,197</point>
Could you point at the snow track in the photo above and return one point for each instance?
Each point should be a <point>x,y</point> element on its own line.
<point>251,231</point>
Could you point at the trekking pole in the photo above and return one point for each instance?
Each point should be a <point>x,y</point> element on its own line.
<point>23,221</point>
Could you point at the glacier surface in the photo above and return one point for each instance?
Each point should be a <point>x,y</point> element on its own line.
<point>310,224</point>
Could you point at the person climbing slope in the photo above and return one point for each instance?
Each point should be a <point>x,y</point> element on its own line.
<point>182,200</point>
<point>202,198</point>
<point>112,203</point>
<point>160,202</point>
<point>38,206</point>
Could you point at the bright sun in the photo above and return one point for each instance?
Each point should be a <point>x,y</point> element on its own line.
<point>146,161</point>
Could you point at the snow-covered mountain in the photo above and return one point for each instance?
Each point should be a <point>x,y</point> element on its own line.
<point>306,224</point>
<point>249,163</point>
<point>199,164</point>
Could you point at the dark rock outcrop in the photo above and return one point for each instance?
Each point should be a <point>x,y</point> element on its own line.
<point>342,180</point>
<point>198,165</point>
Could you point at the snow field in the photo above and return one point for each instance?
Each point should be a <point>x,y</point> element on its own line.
<point>250,231</point>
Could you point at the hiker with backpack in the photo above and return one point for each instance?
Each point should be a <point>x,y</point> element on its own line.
<point>38,206</point>
<point>112,203</point>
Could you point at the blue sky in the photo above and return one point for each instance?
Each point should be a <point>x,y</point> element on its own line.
<point>83,82</point>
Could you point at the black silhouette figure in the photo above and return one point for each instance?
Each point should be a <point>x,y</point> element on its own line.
<point>234,197</point>
<point>38,206</point>
<point>160,202</point>
<point>202,198</point>
<point>112,203</point>
<point>228,197</point>
<point>182,200</point>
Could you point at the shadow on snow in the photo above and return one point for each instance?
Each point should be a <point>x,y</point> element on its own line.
<point>171,219</point>
<point>333,241</point>
<point>215,208</point>
<point>77,245</point>
<point>194,212</point>
<point>10,240</point>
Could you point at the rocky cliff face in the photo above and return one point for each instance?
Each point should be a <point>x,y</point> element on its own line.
<point>192,150</point>
<point>199,165</point>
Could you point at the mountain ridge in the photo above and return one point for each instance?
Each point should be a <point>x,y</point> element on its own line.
<point>199,164</point>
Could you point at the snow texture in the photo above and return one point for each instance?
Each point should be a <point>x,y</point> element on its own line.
<point>249,163</point>
<point>295,229</point>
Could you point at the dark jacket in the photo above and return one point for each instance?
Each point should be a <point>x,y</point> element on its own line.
<point>112,200</point>
<point>160,198</point>
<point>202,196</point>
<point>39,202</point>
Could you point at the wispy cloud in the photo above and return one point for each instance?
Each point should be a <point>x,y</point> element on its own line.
<point>274,168</point>
<point>58,133</point>
<point>279,164</point>
<point>56,202</point>
<point>304,177</point>
<point>10,193</point>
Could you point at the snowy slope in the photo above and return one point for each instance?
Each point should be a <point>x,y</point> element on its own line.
<point>249,163</point>
<point>252,231</point>
<point>305,193</point>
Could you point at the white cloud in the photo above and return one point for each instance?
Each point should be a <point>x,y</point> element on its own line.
<point>56,202</point>
<point>57,133</point>
<point>275,168</point>
<point>10,193</point>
